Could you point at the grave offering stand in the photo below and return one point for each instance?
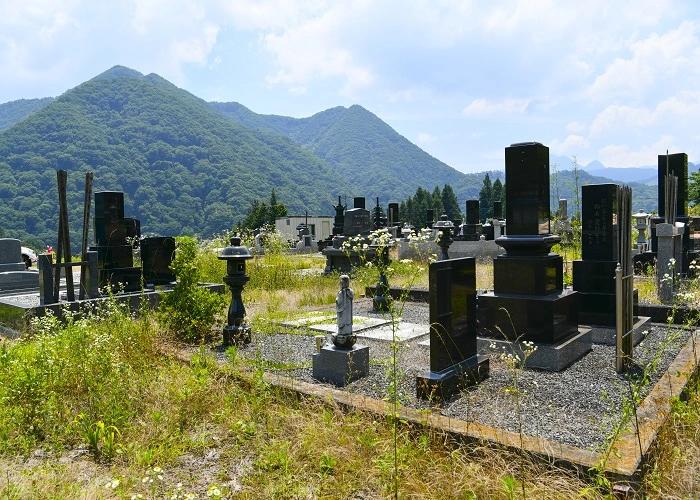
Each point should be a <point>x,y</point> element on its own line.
<point>454,362</point>
<point>529,302</point>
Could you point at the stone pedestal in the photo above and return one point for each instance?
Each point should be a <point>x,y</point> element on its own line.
<point>670,258</point>
<point>341,366</point>
<point>453,379</point>
<point>547,356</point>
<point>536,318</point>
<point>594,280</point>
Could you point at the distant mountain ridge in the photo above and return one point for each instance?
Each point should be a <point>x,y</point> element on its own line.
<point>359,146</point>
<point>191,167</point>
<point>184,168</point>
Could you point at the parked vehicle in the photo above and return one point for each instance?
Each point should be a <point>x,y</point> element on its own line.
<point>28,256</point>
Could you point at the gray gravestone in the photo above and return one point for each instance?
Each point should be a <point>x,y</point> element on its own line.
<point>11,255</point>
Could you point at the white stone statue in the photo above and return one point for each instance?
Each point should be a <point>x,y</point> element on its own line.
<point>344,339</point>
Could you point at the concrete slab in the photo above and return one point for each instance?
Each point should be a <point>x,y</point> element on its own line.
<point>404,331</point>
<point>327,323</point>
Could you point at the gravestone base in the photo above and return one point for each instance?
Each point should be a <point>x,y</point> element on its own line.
<point>18,280</point>
<point>606,335</point>
<point>444,384</point>
<point>127,279</point>
<point>341,366</point>
<point>544,319</point>
<point>550,357</point>
<point>13,267</point>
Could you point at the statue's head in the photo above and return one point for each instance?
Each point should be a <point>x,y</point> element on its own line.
<point>344,281</point>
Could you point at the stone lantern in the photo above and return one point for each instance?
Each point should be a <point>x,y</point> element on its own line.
<point>641,220</point>
<point>235,255</point>
<point>444,228</point>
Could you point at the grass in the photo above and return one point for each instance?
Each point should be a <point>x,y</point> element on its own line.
<point>103,408</point>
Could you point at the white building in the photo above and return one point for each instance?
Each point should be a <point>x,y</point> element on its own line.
<point>320,227</point>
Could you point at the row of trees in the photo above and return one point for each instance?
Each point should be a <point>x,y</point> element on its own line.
<point>414,208</point>
<point>260,213</point>
<point>488,194</point>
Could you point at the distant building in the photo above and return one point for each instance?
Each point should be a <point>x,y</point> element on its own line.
<point>320,227</point>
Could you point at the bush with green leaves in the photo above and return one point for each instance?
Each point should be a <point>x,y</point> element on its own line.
<point>189,311</point>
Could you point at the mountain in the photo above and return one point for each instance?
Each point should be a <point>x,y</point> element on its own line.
<point>642,175</point>
<point>14,111</point>
<point>362,149</point>
<point>184,168</point>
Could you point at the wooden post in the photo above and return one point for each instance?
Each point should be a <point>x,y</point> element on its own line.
<point>86,230</point>
<point>63,251</point>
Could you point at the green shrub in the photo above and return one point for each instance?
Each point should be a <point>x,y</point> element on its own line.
<point>189,311</point>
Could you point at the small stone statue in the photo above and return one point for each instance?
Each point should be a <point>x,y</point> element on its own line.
<point>344,339</point>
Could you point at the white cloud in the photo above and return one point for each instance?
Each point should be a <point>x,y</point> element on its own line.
<point>575,127</point>
<point>572,144</point>
<point>623,156</point>
<point>488,107</point>
<point>675,111</point>
<point>61,22</point>
<point>196,48</point>
<point>655,61</point>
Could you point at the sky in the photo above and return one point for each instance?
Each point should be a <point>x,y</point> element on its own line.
<point>612,81</point>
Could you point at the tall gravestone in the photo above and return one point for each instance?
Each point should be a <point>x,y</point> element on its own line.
<point>529,302</point>
<point>357,220</point>
<point>594,274</point>
<point>675,165</point>
<point>472,229</point>
<point>454,362</point>
<point>114,251</point>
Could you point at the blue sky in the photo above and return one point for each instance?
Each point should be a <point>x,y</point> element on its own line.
<point>617,82</point>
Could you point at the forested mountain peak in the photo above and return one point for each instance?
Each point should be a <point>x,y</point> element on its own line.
<point>184,168</point>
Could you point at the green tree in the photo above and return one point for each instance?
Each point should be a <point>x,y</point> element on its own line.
<point>498,194</point>
<point>486,200</point>
<point>450,203</point>
<point>437,202</point>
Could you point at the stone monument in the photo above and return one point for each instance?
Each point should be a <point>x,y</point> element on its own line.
<point>454,362</point>
<point>13,271</point>
<point>115,237</point>
<point>343,361</point>
<point>529,302</point>
<point>472,229</point>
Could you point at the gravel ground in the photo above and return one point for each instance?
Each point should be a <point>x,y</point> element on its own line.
<point>578,406</point>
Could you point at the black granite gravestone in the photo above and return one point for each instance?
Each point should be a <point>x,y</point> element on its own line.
<point>471,231</point>
<point>357,221</point>
<point>594,274</point>
<point>393,214</point>
<point>529,302</point>
<point>156,256</point>
<point>454,362</point>
<point>429,218</point>
<point>115,237</point>
<point>497,209</point>
<point>675,165</point>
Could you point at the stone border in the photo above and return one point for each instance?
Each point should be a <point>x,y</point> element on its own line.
<point>623,461</point>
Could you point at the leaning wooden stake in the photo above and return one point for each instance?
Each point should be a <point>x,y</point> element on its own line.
<point>86,230</point>
<point>63,251</point>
